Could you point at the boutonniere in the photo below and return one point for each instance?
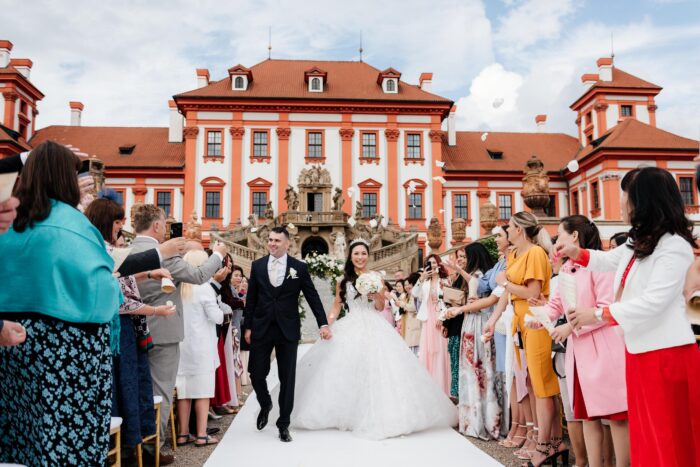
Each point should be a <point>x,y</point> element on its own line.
<point>292,273</point>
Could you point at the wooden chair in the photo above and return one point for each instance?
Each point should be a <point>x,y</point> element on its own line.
<point>152,439</point>
<point>172,419</point>
<point>115,429</point>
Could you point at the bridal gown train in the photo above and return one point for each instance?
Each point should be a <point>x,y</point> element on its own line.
<point>366,380</point>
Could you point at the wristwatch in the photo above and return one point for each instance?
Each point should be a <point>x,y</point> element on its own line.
<point>599,314</point>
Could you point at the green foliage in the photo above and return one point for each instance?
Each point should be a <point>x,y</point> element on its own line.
<point>490,244</point>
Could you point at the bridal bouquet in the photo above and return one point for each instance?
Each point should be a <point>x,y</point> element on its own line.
<point>369,282</point>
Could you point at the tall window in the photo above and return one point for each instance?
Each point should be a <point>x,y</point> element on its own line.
<point>687,190</point>
<point>369,145</point>
<point>214,143</point>
<point>625,110</point>
<point>369,204</point>
<point>260,144</point>
<point>574,202</point>
<point>391,85</point>
<point>461,206</point>
<point>315,148</point>
<point>238,82</point>
<point>505,207</point>
<point>212,207</point>
<point>551,210</point>
<point>315,84</point>
<point>413,146</point>
<point>415,206</point>
<point>259,203</point>
<point>596,195</point>
<point>163,201</point>
<point>119,197</point>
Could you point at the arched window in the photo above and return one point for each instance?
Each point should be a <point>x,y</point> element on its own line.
<point>315,84</point>
<point>391,85</point>
<point>239,82</point>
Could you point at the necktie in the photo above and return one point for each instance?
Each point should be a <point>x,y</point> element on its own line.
<point>273,272</point>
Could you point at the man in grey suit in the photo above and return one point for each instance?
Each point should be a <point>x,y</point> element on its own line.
<point>167,332</point>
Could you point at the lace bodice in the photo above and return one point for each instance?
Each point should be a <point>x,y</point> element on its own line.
<point>356,303</point>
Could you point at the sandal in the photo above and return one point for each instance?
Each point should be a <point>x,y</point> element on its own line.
<point>509,439</point>
<point>190,439</point>
<point>207,441</point>
<point>524,453</point>
<point>225,410</point>
<point>557,443</point>
<point>548,452</point>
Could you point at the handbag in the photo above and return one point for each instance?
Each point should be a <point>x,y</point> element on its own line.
<point>453,296</point>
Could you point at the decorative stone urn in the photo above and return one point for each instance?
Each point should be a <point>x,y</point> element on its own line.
<point>536,187</point>
<point>459,233</point>
<point>434,234</point>
<point>488,217</point>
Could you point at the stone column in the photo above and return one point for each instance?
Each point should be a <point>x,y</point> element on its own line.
<point>346,135</point>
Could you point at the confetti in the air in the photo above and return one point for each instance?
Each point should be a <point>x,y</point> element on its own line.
<point>440,164</point>
<point>484,136</point>
<point>254,229</point>
<point>352,222</point>
<point>290,226</point>
<point>351,191</point>
<point>373,223</point>
<point>572,166</point>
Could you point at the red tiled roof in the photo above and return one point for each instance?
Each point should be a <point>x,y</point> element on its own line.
<point>622,79</point>
<point>284,79</point>
<point>633,134</point>
<point>9,136</point>
<point>472,154</point>
<point>151,146</point>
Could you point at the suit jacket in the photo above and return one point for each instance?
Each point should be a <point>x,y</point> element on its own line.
<point>171,329</point>
<point>140,262</point>
<point>266,303</point>
<point>11,164</point>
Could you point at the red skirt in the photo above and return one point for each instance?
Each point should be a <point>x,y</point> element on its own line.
<point>222,393</point>
<point>580,412</point>
<point>663,397</point>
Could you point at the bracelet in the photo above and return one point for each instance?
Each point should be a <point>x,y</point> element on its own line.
<point>149,274</point>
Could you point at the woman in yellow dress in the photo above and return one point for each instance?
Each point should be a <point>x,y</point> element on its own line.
<point>527,276</point>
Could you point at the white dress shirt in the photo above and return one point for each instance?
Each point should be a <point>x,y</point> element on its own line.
<point>281,269</point>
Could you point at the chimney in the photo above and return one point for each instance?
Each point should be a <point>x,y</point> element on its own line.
<point>425,81</point>
<point>5,49</point>
<point>76,113</point>
<point>23,65</point>
<point>176,124</point>
<point>540,120</point>
<point>605,66</point>
<point>202,77</point>
<point>589,79</point>
<point>451,134</point>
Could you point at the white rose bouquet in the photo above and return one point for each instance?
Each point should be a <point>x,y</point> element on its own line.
<point>369,282</point>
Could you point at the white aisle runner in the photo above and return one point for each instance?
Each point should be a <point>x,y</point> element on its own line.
<point>244,445</point>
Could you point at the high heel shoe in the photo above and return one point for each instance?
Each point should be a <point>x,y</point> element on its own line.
<point>523,453</point>
<point>549,459</point>
<point>564,453</point>
<point>508,440</point>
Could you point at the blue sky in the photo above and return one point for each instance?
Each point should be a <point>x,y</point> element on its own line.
<point>124,60</point>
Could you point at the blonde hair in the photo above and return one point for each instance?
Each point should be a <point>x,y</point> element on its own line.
<point>194,258</point>
<point>533,230</point>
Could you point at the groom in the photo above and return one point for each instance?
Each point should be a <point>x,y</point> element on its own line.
<point>271,321</point>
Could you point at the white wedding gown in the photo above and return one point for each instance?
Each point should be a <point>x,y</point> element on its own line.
<point>366,380</point>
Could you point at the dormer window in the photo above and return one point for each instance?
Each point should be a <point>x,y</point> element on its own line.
<point>495,155</point>
<point>389,81</point>
<point>315,79</point>
<point>241,77</point>
<point>126,149</point>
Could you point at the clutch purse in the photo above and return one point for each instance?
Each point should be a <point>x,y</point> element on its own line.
<point>454,296</point>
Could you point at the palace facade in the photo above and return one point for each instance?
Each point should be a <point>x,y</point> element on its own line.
<point>236,143</point>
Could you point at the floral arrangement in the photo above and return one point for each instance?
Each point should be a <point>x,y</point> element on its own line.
<point>369,282</point>
<point>325,267</point>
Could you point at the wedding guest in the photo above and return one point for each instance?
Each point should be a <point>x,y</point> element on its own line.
<point>662,361</point>
<point>240,353</point>
<point>399,275</point>
<point>199,357</point>
<point>411,326</point>
<point>55,389</point>
<point>454,325</point>
<point>149,224</point>
<point>595,365</point>
<point>132,388</point>
<point>388,310</point>
<point>8,213</point>
<point>618,239</point>
<point>433,352</point>
<point>528,273</point>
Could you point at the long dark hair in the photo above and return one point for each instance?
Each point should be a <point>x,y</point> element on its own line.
<point>349,274</point>
<point>588,234</point>
<point>478,258</point>
<point>656,208</point>
<point>619,238</point>
<point>51,172</point>
<point>441,267</point>
<point>102,213</point>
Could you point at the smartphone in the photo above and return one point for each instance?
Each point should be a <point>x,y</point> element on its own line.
<point>176,230</point>
<point>84,168</point>
<point>429,267</point>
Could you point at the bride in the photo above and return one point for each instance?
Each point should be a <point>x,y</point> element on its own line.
<point>366,380</point>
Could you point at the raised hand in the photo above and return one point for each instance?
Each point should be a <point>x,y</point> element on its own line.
<point>8,212</point>
<point>160,274</point>
<point>221,248</point>
<point>567,249</point>
<point>173,247</point>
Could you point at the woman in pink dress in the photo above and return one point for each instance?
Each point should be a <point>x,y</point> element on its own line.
<point>433,353</point>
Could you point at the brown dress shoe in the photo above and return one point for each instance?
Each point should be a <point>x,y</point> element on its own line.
<point>165,459</point>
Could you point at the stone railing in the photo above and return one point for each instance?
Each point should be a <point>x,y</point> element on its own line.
<point>242,255</point>
<point>303,218</point>
<point>401,255</point>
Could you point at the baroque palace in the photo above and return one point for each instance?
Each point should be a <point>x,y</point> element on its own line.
<point>327,142</point>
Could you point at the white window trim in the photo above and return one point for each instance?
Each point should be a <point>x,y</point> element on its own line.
<point>311,79</point>
<point>245,83</point>
<point>385,83</point>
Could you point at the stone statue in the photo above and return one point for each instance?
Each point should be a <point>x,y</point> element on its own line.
<point>293,240</point>
<point>536,186</point>
<point>338,200</point>
<point>194,230</point>
<point>315,176</point>
<point>339,245</point>
<point>251,220</point>
<point>269,212</point>
<point>434,234</point>
<point>292,199</point>
<point>488,217</point>
<point>358,210</point>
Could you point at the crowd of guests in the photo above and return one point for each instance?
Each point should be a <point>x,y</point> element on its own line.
<point>552,325</point>
<point>559,323</point>
<point>89,341</point>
